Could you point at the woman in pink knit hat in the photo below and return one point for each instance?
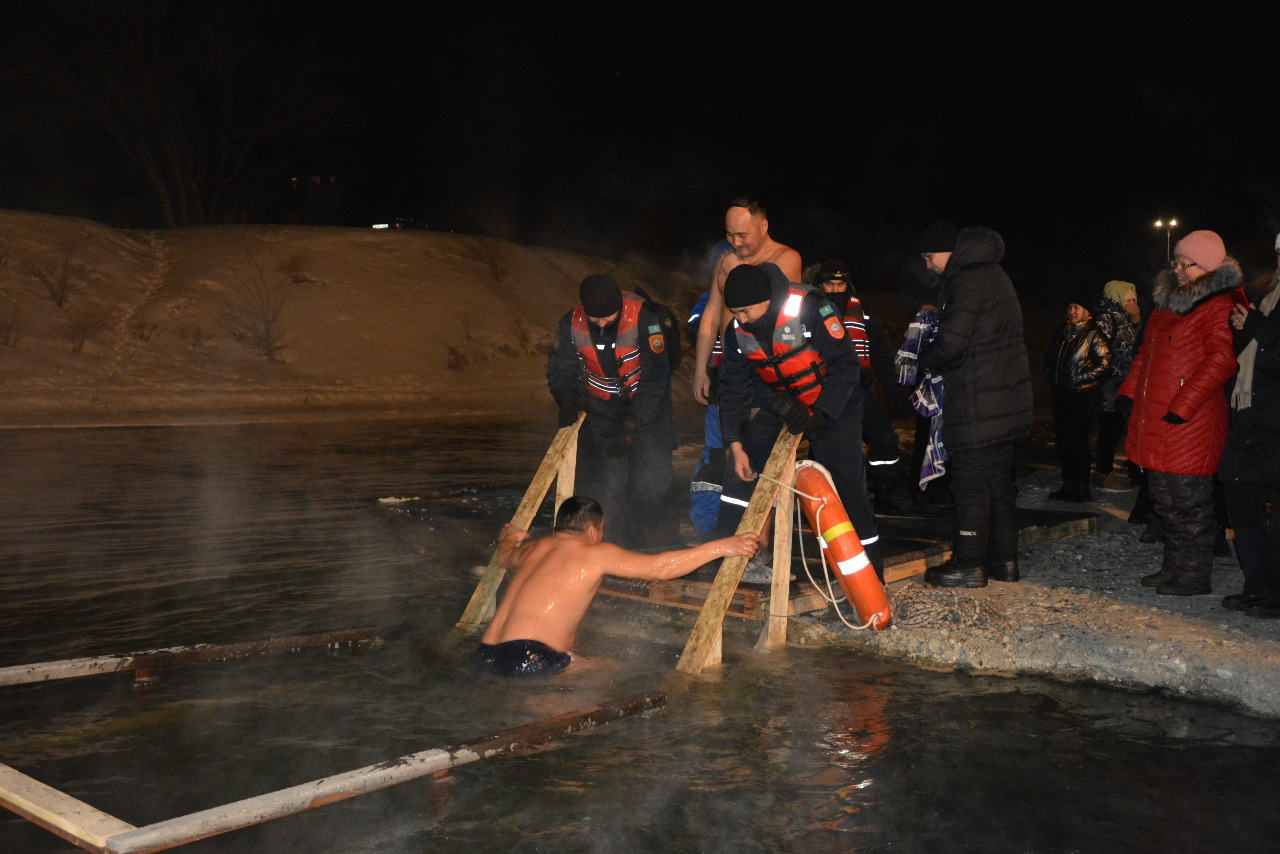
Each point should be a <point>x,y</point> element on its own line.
<point>1178,424</point>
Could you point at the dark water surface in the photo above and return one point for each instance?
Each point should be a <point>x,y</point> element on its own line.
<point>114,541</point>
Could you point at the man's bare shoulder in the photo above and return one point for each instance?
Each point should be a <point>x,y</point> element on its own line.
<point>786,258</point>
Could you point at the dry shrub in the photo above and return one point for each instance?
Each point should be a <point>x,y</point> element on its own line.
<point>252,313</point>
<point>10,323</point>
<point>84,322</point>
<point>61,274</point>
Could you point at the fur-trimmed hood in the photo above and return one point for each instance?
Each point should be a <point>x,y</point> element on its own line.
<point>1183,300</point>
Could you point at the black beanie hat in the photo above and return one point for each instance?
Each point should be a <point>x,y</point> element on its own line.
<point>1084,297</point>
<point>599,296</point>
<point>832,270</point>
<point>938,237</point>
<point>746,285</point>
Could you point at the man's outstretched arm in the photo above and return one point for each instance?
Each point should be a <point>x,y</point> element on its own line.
<point>673,564</point>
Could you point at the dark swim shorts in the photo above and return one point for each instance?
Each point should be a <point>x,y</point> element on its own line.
<point>520,658</point>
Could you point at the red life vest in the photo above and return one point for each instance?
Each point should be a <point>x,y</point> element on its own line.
<point>793,365</point>
<point>626,352</point>
<point>855,323</point>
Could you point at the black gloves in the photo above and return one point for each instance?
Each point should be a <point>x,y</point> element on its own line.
<point>1124,406</point>
<point>795,414</point>
<point>1173,419</point>
<point>622,435</point>
<point>568,414</point>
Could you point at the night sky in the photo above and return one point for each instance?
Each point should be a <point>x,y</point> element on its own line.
<point>605,131</point>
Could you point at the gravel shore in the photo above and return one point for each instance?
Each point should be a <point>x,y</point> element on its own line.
<point>1080,614</point>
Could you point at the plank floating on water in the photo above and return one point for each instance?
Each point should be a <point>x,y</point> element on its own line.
<point>58,812</point>
<point>327,790</point>
<point>179,656</point>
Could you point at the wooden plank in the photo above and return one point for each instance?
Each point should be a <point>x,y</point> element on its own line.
<point>704,641</point>
<point>567,474</point>
<point>774,633</point>
<point>483,600</point>
<point>806,600</point>
<point>692,605</point>
<point>200,825</point>
<point>55,811</point>
<point>1044,533</point>
<point>179,656</point>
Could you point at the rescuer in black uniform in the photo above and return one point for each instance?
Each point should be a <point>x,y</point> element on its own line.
<point>610,361</point>
<point>875,361</point>
<point>787,354</point>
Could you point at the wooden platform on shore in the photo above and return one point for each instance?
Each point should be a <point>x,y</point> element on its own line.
<point>911,544</point>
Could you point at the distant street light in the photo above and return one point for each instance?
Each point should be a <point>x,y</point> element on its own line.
<point>1167,226</point>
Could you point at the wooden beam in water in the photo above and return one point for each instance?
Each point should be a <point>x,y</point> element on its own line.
<point>327,790</point>
<point>179,656</point>
<point>703,648</point>
<point>57,812</point>
<point>99,832</point>
<point>565,443</point>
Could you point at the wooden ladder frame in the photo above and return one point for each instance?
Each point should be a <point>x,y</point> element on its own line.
<point>706,640</point>
<point>559,464</point>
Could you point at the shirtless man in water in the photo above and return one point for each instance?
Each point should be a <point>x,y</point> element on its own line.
<point>556,577</point>
<point>747,229</point>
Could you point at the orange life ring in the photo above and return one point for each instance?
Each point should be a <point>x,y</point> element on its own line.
<point>827,516</point>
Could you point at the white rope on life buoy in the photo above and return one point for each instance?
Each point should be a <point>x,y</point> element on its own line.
<point>830,595</point>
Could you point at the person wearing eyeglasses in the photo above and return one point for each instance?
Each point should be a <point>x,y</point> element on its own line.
<point>1177,407</point>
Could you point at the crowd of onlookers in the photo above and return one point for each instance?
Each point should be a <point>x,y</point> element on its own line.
<point>1191,385</point>
<point>1181,372</point>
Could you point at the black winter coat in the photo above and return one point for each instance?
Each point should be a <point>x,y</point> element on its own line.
<point>979,350</point>
<point>1252,452</point>
<point>1078,358</point>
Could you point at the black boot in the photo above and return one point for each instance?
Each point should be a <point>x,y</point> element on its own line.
<point>1003,570</point>
<point>884,503</point>
<point>1185,587</point>
<point>1155,579</point>
<point>956,573</point>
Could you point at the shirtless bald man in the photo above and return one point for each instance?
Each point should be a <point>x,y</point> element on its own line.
<point>747,229</point>
<point>556,577</point>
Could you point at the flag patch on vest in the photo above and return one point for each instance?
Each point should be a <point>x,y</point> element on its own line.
<point>835,327</point>
<point>825,309</point>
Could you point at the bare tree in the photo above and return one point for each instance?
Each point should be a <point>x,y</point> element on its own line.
<point>189,93</point>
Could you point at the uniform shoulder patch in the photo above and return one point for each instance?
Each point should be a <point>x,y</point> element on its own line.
<point>835,327</point>
<point>826,309</point>
<point>656,342</point>
<point>655,329</point>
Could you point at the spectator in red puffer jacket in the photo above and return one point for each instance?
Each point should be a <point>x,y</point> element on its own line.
<point>1175,389</point>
